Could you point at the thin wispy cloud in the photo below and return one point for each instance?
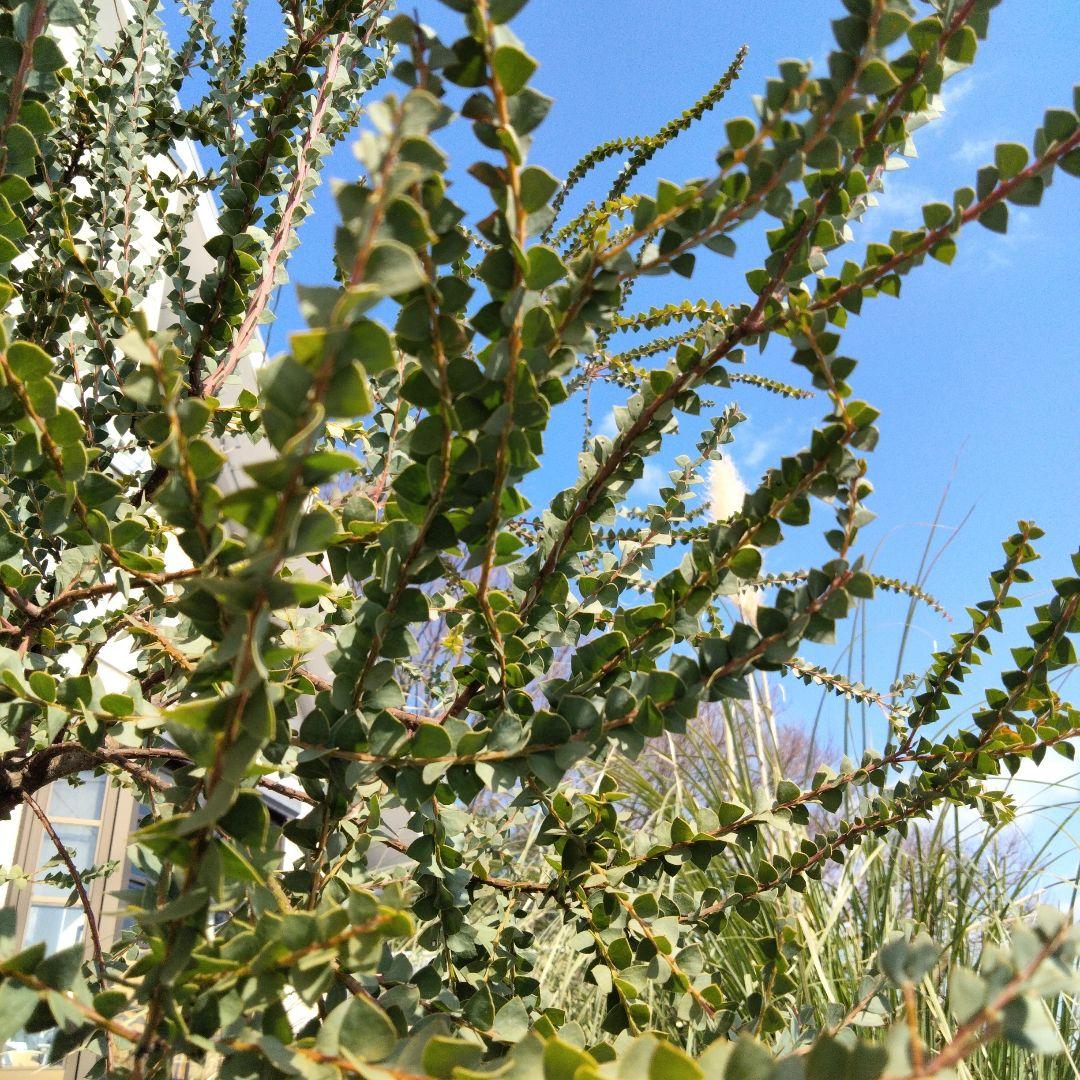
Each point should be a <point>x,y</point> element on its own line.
<point>975,151</point>
<point>1023,233</point>
<point>900,204</point>
<point>758,446</point>
<point>958,88</point>
<point>757,451</point>
<point>645,488</point>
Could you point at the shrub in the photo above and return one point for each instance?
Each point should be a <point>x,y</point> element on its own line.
<point>273,620</point>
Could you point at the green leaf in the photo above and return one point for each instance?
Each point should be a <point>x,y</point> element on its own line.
<point>746,562</point>
<point>512,67</point>
<point>98,489</point>
<point>511,1021</point>
<point>324,464</point>
<point>892,25</point>
<point>714,1061</point>
<point>1010,159</point>
<point>937,214</point>
<point>28,361</point>
<point>347,394</point>
<point>42,395</point>
<point>590,657</point>
<point>430,741</point>
<point>369,343</point>
<point>503,11</point>
<point>826,154</point>
<point>1026,1022</point>
<point>200,714</point>
<point>35,118</point>
<point>42,684</point>
<point>924,35</point>
<point>442,1055</point>
<point>255,508</point>
<point>119,705</point>
<point>15,189</point>
<point>205,460</point>
<point>60,970</point>
<point>65,427</point>
<point>359,1030</point>
<point>827,1059</point>
<point>908,961</point>
<point>74,459</point>
<point>740,132</point>
<point>758,280</point>
<point>995,217</point>
<point>406,221</point>
<point>944,251</point>
<point>1060,123</point>
<point>878,79</point>
<point>47,56</point>
<point>537,187</point>
<point>528,109</point>
<point>22,150</point>
<point>545,267</point>
<point>668,1062</point>
<point>962,45</point>
<point>749,1060</point>
<point>17,1004</point>
<point>314,531</point>
<point>1028,192</point>
<point>393,268</point>
<point>967,993</point>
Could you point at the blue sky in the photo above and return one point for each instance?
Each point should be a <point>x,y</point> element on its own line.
<point>974,369</point>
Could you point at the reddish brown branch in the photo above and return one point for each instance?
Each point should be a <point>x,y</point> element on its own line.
<point>80,888</point>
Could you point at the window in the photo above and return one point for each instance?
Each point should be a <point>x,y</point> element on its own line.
<point>92,818</point>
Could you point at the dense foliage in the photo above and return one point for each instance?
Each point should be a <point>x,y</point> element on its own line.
<point>275,649</point>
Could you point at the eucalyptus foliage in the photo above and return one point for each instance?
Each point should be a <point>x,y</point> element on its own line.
<point>389,451</point>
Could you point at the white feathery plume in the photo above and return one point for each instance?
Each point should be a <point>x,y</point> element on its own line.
<point>726,489</point>
<point>726,494</point>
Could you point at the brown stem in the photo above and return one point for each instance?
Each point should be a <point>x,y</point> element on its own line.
<point>264,288</point>
<point>34,28</point>
<point>513,340</point>
<point>934,236</point>
<point>969,1036</point>
<point>911,1017</point>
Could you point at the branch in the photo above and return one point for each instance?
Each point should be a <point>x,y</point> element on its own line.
<point>970,1036</point>
<point>283,233</point>
<point>80,888</point>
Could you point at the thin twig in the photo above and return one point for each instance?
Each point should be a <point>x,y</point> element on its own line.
<point>80,888</point>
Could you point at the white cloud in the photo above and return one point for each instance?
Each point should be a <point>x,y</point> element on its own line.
<point>975,151</point>
<point>948,103</point>
<point>1022,233</point>
<point>759,445</point>
<point>607,426</point>
<point>900,204</point>
<point>757,452</point>
<point>1042,787</point>
<point>956,89</point>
